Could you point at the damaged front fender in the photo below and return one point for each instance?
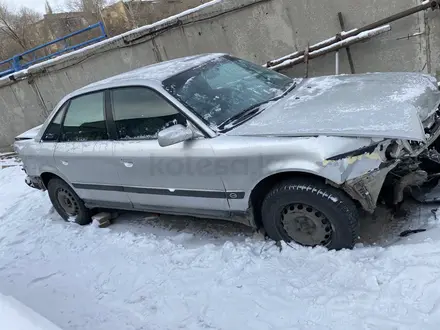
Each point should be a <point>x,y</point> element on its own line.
<point>352,166</point>
<point>361,175</point>
<point>366,189</point>
<point>348,166</point>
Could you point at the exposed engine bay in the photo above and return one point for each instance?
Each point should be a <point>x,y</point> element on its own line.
<point>414,167</point>
<point>390,169</point>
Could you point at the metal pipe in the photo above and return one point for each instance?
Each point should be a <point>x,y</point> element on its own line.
<point>334,47</point>
<point>91,27</point>
<point>16,60</point>
<point>62,51</point>
<point>425,5</point>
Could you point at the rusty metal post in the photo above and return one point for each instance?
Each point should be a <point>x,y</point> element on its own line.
<point>350,58</point>
<point>306,59</point>
<point>337,62</point>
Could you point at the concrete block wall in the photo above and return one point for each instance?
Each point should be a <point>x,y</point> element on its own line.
<point>258,30</point>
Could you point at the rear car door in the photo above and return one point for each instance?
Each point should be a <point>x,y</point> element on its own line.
<point>84,153</point>
<point>44,153</point>
<point>180,178</point>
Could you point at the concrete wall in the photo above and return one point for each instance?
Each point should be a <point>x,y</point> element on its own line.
<point>124,15</point>
<point>258,30</point>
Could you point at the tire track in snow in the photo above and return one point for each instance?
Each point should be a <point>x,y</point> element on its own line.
<point>42,279</point>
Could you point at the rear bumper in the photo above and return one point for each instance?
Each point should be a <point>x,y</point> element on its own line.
<point>35,182</point>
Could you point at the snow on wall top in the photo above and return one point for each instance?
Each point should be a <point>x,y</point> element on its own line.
<point>108,42</point>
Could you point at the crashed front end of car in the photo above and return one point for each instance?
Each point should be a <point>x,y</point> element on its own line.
<point>387,169</point>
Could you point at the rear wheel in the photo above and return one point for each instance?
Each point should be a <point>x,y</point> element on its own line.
<point>67,203</point>
<point>310,213</point>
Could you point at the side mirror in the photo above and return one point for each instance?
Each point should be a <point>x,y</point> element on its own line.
<point>174,134</point>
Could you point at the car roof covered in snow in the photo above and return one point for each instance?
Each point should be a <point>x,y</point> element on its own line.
<point>157,72</point>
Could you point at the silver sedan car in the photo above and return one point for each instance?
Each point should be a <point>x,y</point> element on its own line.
<point>215,136</point>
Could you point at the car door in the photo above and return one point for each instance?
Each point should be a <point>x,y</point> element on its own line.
<point>180,178</point>
<point>44,153</point>
<point>84,153</point>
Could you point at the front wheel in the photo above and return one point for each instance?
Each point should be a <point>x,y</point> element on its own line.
<point>67,203</point>
<point>310,212</point>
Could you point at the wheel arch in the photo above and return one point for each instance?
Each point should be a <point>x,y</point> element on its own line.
<point>82,215</point>
<point>47,176</point>
<point>261,189</point>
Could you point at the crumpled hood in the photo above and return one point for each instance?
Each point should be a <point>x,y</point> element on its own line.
<point>375,105</point>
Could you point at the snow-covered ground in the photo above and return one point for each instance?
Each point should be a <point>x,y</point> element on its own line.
<point>16,316</point>
<point>178,273</point>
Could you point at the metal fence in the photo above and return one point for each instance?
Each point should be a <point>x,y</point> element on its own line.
<point>28,58</point>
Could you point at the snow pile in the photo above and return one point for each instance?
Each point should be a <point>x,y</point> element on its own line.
<point>8,159</point>
<point>16,316</point>
<point>134,275</point>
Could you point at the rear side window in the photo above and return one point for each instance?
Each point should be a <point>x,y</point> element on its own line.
<point>85,119</point>
<point>53,130</point>
<point>140,113</point>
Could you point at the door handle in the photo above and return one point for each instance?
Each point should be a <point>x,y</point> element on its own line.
<point>64,162</point>
<point>127,163</point>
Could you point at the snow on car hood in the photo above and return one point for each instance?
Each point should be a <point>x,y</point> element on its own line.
<point>376,105</point>
<point>30,134</point>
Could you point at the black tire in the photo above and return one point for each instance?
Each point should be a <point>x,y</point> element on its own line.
<point>77,213</point>
<point>288,205</point>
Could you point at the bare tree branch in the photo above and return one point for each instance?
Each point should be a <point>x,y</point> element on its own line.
<point>16,36</point>
<point>90,6</point>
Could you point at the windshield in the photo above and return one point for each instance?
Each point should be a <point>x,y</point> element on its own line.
<point>224,87</point>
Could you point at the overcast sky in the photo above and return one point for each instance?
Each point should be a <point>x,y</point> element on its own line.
<point>37,5</point>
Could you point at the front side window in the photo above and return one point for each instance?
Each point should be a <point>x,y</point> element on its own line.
<point>226,86</point>
<point>140,113</point>
<point>85,119</point>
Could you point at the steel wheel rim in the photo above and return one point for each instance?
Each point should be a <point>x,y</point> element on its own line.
<point>306,225</point>
<point>68,202</point>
